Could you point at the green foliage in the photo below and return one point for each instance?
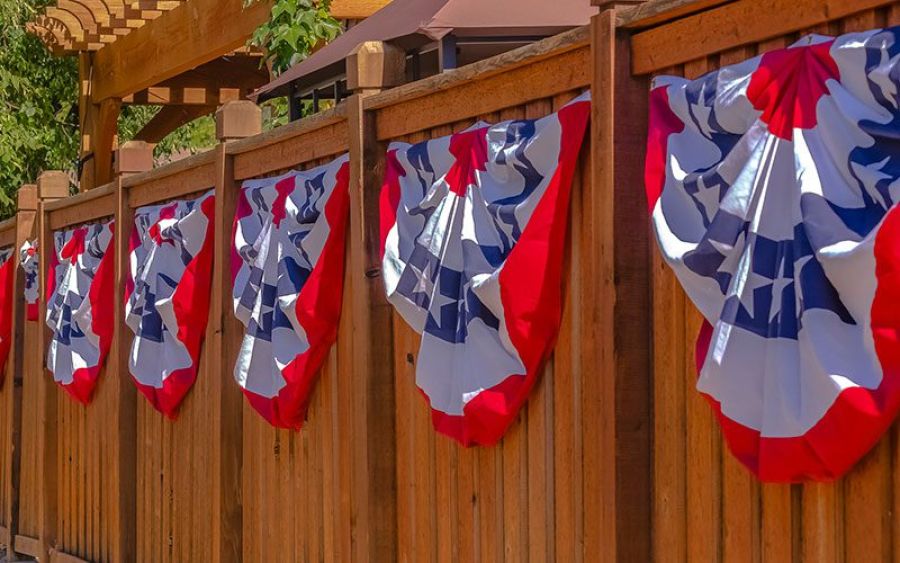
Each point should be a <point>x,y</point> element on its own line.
<point>293,30</point>
<point>38,104</point>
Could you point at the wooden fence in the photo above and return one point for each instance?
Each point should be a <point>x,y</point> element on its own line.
<point>614,457</point>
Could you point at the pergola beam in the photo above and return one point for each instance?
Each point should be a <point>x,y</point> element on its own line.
<point>355,9</point>
<point>188,36</point>
<point>87,25</point>
<point>158,96</point>
<point>228,78</point>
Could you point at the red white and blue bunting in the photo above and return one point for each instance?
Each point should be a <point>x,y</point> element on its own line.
<point>168,297</point>
<point>80,304</point>
<point>472,232</point>
<point>7,298</point>
<point>288,268</point>
<point>772,186</point>
<point>29,260</point>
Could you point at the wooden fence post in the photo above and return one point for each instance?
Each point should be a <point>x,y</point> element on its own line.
<point>52,185</point>
<point>617,305</point>
<point>131,158</point>
<point>234,120</point>
<point>371,67</point>
<point>25,225</point>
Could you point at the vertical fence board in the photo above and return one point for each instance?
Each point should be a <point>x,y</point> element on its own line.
<point>868,506</point>
<point>26,226</point>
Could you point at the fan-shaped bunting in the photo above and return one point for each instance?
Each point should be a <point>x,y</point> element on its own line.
<point>473,227</point>
<point>80,306</point>
<point>288,267</point>
<point>772,186</point>
<point>168,296</point>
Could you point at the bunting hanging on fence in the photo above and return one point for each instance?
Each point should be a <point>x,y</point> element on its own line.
<point>288,268</point>
<point>7,281</point>
<point>472,233</point>
<point>80,304</point>
<point>167,297</point>
<point>29,259</point>
<point>772,186</point>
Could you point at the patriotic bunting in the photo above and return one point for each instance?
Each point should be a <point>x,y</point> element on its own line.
<point>772,186</point>
<point>167,297</point>
<point>7,279</point>
<point>472,233</point>
<point>29,259</point>
<point>288,268</point>
<point>80,306</point>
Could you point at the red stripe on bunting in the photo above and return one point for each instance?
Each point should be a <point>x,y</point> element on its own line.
<point>389,198</point>
<point>662,123</point>
<point>7,277</point>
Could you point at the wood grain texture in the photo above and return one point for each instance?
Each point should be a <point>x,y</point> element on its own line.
<point>83,211</point>
<point>653,12</point>
<point>482,93</point>
<point>185,183</point>
<point>25,226</point>
<point>373,450</point>
<point>184,38</point>
<point>615,306</point>
<point>355,9</point>
<point>328,140</point>
<point>188,469</point>
<point>733,25</point>
<point>297,488</point>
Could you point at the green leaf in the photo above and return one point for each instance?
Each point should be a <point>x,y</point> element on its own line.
<point>294,28</point>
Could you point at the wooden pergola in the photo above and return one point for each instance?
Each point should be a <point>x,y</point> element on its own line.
<point>189,56</point>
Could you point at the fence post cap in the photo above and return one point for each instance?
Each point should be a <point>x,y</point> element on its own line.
<point>238,119</point>
<point>133,157</point>
<point>375,65</point>
<point>53,184</point>
<point>27,197</point>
